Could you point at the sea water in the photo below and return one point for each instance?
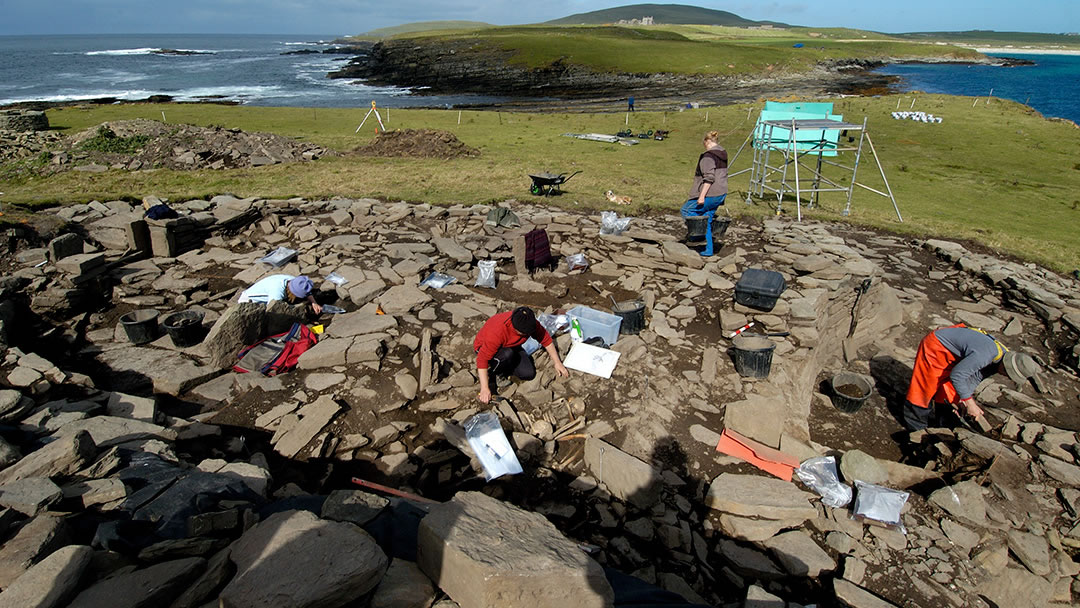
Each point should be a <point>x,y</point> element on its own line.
<point>1051,86</point>
<point>250,69</point>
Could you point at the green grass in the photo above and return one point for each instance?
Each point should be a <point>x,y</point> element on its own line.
<point>999,174</point>
<point>692,49</point>
<point>425,26</point>
<point>105,140</point>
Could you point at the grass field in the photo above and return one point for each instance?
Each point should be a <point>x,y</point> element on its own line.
<point>997,173</point>
<point>687,49</point>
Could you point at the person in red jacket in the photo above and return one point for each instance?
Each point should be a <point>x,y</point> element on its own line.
<point>498,348</point>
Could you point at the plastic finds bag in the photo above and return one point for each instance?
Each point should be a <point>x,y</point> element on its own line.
<point>576,261</point>
<point>880,504</point>
<point>819,474</point>
<point>611,223</point>
<point>485,276</point>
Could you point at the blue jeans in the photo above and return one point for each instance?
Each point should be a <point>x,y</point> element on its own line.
<point>691,209</point>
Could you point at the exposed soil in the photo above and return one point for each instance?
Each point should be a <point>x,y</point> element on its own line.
<point>417,143</point>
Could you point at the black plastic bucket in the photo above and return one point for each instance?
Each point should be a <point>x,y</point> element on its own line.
<point>720,226</point>
<point>632,313</point>
<point>849,391</point>
<point>185,328</point>
<point>696,226</point>
<point>141,325</point>
<point>753,355</point>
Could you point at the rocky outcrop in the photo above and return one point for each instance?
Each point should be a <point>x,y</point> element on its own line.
<point>455,66</point>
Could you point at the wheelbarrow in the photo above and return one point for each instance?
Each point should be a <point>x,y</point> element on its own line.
<point>547,184</point>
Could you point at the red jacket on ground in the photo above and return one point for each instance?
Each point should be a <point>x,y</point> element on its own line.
<point>497,333</point>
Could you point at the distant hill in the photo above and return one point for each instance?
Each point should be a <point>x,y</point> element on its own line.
<point>425,26</point>
<point>678,14</point>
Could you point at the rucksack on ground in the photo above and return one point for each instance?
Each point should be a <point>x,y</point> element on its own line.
<point>276,354</point>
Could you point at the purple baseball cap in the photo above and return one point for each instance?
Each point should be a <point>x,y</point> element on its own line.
<point>300,286</point>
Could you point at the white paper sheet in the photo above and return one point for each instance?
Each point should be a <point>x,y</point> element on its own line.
<point>592,359</point>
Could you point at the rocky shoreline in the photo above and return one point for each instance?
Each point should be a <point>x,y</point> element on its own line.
<point>459,66</point>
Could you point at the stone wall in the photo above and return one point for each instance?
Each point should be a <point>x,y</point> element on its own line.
<point>24,120</point>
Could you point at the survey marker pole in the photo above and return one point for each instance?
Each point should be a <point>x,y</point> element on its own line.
<point>369,112</point>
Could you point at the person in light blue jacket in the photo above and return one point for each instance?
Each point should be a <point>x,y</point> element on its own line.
<point>282,287</point>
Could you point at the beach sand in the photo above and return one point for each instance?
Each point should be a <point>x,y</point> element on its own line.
<point>1023,50</point>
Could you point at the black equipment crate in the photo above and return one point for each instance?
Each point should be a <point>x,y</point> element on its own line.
<point>759,288</point>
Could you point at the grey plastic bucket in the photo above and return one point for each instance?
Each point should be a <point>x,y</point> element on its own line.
<point>753,355</point>
<point>141,326</point>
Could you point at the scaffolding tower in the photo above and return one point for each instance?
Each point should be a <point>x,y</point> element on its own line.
<point>790,156</point>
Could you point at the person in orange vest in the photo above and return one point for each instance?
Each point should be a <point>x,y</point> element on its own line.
<point>950,363</point>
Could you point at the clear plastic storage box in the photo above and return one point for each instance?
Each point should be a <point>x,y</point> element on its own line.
<point>596,323</point>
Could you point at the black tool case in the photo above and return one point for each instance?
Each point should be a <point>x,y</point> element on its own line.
<point>759,288</point>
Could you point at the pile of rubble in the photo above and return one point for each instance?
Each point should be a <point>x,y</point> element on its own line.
<point>417,143</point>
<point>154,473</point>
<point>19,145</point>
<point>168,146</point>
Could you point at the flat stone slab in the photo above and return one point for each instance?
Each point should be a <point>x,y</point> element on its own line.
<point>963,501</point>
<point>136,368</point>
<point>857,597</point>
<point>756,496</point>
<point>355,506</point>
<point>294,558</point>
<point>485,553</point>
<point>145,588</point>
<point>401,299</point>
<point>68,453</point>
<point>403,586</point>
<point>359,323</point>
<point>800,555</point>
<point>32,543</point>
<point>625,476</point>
<point>107,431</point>
<point>759,418</point>
<point>51,582</point>
<point>1033,551</point>
<point>31,495</point>
<point>313,417</point>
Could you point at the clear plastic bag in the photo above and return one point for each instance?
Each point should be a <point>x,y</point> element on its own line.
<point>576,261</point>
<point>553,323</point>
<point>438,280</point>
<point>279,257</point>
<point>819,474</point>
<point>880,504</point>
<point>485,276</point>
<point>489,443</point>
<point>336,279</point>
<point>611,223</point>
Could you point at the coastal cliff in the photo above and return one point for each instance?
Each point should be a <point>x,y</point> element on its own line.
<point>455,66</point>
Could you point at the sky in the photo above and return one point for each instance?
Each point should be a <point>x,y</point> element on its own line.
<point>344,17</point>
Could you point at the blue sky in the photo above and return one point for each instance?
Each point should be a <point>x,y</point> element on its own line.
<point>341,17</point>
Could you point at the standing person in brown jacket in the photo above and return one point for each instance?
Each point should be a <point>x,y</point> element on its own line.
<point>710,186</point>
